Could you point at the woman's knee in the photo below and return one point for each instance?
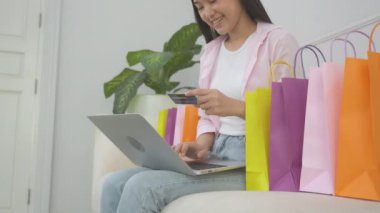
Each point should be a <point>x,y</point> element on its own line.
<point>114,182</point>
<point>144,188</point>
<point>147,183</point>
<point>138,183</point>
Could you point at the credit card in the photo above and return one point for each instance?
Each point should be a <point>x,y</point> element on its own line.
<point>182,99</point>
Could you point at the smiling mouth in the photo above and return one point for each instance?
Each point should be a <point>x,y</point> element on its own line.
<point>217,21</point>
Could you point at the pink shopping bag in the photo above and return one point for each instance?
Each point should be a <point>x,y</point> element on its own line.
<point>178,131</point>
<point>321,128</point>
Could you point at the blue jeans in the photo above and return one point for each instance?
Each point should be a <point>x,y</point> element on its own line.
<point>142,190</point>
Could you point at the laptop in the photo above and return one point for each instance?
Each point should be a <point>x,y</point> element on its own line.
<point>141,143</point>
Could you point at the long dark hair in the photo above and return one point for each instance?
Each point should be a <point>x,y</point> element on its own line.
<point>254,9</point>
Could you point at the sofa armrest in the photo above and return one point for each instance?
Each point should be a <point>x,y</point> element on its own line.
<point>107,159</point>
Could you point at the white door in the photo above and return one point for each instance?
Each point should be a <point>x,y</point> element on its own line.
<point>19,37</point>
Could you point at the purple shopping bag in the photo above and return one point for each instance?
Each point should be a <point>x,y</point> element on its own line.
<point>170,126</point>
<point>286,133</point>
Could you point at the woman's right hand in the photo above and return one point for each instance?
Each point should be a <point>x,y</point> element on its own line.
<point>192,151</point>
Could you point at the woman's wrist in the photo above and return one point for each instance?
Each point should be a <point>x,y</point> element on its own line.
<point>238,108</point>
<point>206,140</point>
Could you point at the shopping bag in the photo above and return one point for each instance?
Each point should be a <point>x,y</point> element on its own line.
<point>358,168</point>
<point>374,77</point>
<point>257,120</point>
<point>286,133</point>
<point>179,124</point>
<point>161,122</point>
<point>257,139</point>
<point>321,128</point>
<point>170,125</point>
<point>190,123</point>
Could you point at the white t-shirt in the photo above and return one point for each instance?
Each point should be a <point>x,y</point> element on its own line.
<point>229,79</point>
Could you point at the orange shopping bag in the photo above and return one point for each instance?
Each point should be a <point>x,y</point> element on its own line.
<point>190,123</point>
<point>374,78</point>
<point>358,168</point>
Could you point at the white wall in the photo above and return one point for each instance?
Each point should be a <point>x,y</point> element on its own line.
<point>311,19</point>
<point>95,36</point>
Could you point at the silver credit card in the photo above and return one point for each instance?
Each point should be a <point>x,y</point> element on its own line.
<point>183,99</point>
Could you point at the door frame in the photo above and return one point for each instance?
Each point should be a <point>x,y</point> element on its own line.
<point>43,141</point>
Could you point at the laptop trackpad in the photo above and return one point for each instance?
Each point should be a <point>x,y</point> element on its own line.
<point>203,166</point>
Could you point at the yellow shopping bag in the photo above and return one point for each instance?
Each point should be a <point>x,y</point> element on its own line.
<point>257,138</point>
<point>161,122</point>
<point>257,118</point>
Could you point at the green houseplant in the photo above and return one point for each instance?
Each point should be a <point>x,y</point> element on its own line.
<point>158,67</point>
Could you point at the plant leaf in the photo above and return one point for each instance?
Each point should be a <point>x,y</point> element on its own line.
<point>135,57</point>
<point>183,45</point>
<point>156,60</point>
<point>110,86</point>
<point>196,49</point>
<point>159,87</point>
<point>126,91</point>
<point>173,85</point>
<point>157,79</point>
<point>183,39</point>
<point>179,61</point>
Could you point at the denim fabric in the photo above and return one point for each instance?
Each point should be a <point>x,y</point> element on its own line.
<point>142,190</point>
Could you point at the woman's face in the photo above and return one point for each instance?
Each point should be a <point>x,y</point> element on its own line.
<point>222,15</point>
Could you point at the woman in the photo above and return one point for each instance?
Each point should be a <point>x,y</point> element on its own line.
<point>241,45</point>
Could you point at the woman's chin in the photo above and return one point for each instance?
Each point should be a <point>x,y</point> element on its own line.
<point>221,32</point>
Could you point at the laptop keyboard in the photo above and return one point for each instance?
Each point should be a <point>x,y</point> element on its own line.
<point>202,166</point>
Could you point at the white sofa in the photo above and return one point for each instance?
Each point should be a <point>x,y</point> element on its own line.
<point>108,158</point>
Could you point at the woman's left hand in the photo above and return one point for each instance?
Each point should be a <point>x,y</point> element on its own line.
<point>213,102</point>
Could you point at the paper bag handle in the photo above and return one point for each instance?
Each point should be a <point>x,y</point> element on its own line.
<point>371,38</point>
<point>360,32</point>
<point>278,62</point>
<point>311,48</point>
<point>341,39</point>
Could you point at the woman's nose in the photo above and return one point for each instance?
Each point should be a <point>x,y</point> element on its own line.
<point>210,13</point>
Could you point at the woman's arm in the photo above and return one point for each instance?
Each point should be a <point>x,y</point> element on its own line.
<point>213,102</point>
<point>284,49</point>
<point>206,140</point>
<point>190,151</point>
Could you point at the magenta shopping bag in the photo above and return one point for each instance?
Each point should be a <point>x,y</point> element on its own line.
<point>286,133</point>
<point>170,125</point>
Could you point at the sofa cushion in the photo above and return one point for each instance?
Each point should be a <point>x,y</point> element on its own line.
<point>268,202</point>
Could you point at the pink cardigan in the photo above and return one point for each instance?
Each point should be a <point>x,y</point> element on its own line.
<point>269,44</point>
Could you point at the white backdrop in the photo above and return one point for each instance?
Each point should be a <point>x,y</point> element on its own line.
<point>95,36</point>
